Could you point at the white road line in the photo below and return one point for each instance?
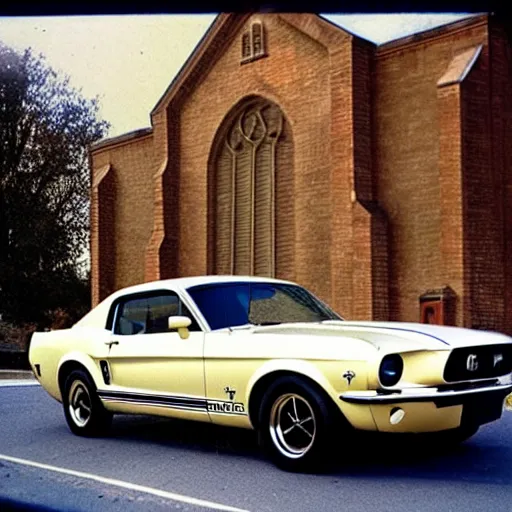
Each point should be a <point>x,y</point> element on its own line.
<point>126,485</point>
<point>9,383</point>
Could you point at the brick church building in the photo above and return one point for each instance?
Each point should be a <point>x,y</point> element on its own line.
<point>378,176</point>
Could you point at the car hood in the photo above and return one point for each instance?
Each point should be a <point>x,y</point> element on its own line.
<point>391,335</point>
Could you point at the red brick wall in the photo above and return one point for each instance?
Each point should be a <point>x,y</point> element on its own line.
<point>295,76</point>
<point>500,53</point>
<point>482,189</point>
<point>127,215</point>
<point>170,183</point>
<point>362,104</point>
<point>370,266</point>
<point>359,279</point>
<point>103,241</point>
<point>162,256</point>
<point>407,130</point>
<point>160,160</point>
<point>451,200</point>
<point>380,153</point>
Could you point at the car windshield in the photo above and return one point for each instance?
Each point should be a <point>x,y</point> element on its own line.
<point>235,304</point>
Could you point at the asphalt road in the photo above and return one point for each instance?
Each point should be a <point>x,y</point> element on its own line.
<point>225,467</point>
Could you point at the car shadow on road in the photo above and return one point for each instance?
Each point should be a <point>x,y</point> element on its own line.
<point>483,458</point>
<point>478,460</point>
<point>186,435</point>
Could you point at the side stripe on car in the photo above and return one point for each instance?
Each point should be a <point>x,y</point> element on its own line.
<point>174,402</point>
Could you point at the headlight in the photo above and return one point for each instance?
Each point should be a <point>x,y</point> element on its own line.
<point>391,369</point>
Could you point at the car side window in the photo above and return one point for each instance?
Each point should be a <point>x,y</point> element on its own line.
<point>149,314</point>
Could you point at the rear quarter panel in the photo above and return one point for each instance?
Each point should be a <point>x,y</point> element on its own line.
<point>50,350</point>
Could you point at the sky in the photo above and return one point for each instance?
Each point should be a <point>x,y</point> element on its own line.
<point>128,61</point>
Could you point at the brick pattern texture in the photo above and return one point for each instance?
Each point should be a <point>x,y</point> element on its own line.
<point>416,156</point>
<point>103,246</point>
<point>399,185</point>
<point>500,64</point>
<point>451,201</point>
<point>482,203</point>
<point>124,206</point>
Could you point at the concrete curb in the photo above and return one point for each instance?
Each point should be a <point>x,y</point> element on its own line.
<point>16,375</point>
<point>15,378</point>
<point>15,383</point>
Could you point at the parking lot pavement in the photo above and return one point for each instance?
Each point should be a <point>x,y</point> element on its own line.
<point>158,464</point>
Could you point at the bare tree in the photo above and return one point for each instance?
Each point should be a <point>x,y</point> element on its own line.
<point>46,127</point>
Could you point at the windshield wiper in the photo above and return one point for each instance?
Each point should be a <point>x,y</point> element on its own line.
<point>251,324</point>
<point>241,326</point>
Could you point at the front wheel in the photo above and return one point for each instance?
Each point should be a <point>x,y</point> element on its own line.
<point>295,425</point>
<point>84,412</point>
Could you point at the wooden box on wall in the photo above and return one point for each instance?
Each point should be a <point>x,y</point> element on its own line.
<point>438,307</point>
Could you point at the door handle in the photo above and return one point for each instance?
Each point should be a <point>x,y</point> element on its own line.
<point>110,343</point>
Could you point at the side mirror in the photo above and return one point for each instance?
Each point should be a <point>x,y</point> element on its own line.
<point>180,323</point>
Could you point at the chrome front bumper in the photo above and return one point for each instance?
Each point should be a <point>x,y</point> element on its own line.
<point>441,398</point>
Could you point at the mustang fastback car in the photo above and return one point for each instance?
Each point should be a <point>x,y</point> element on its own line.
<point>268,355</point>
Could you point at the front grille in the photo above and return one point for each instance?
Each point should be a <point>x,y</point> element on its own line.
<point>463,386</point>
<point>480,362</point>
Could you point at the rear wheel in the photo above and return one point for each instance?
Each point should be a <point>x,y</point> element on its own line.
<point>295,425</point>
<point>84,412</point>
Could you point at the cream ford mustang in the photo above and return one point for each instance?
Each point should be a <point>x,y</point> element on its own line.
<point>268,355</point>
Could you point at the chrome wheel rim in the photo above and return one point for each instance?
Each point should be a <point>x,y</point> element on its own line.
<point>292,425</point>
<point>79,403</point>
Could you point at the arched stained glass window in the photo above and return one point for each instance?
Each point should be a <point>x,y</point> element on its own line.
<point>253,192</point>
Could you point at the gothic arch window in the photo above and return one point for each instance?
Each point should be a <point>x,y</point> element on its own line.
<point>251,201</point>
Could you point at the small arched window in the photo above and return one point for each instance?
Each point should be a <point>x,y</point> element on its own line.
<point>253,42</point>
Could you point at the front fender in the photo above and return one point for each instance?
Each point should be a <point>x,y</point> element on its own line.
<point>330,376</point>
<point>300,367</point>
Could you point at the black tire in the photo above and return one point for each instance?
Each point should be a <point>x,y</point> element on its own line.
<point>296,425</point>
<point>458,435</point>
<point>446,440</point>
<point>84,412</point>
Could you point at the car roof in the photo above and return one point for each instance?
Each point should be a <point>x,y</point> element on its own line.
<point>97,315</point>
<point>187,282</point>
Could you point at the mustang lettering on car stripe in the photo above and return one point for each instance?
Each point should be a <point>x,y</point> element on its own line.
<point>174,402</point>
<point>226,407</point>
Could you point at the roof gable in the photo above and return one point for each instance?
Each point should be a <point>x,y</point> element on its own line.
<point>221,33</point>
<point>433,33</point>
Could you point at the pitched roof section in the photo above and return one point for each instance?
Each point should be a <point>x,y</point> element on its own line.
<point>203,56</point>
<point>317,28</point>
<point>433,33</point>
<point>459,67</point>
<point>100,175</point>
<point>225,27</point>
<point>121,139</point>
<point>222,31</point>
